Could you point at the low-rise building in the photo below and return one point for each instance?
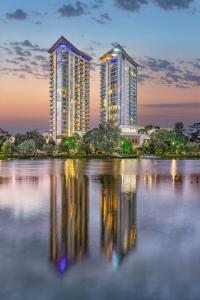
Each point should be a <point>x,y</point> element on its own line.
<point>193,132</point>
<point>132,134</point>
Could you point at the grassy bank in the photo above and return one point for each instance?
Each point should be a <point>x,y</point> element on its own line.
<point>97,156</point>
<point>67,156</point>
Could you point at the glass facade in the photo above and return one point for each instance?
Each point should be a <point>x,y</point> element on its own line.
<point>118,88</point>
<point>69,90</point>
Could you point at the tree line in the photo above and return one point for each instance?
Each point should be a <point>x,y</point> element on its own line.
<point>106,139</point>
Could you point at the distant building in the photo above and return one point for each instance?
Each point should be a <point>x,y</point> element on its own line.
<point>193,133</point>
<point>69,84</point>
<point>6,136</point>
<point>132,134</point>
<point>118,88</point>
<point>46,136</point>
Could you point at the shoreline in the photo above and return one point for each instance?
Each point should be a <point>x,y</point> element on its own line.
<point>98,156</point>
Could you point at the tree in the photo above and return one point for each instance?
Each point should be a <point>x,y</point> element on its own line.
<point>126,145</point>
<point>70,144</point>
<point>179,129</point>
<point>104,139</point>
<point>49,148</point>
<point>8,148</point>
<point>27,147</point>
<point>146,129</point>
<point>4,135</point>
<point>30,135</point>
<point>20,138</point>
<point>37,137</point>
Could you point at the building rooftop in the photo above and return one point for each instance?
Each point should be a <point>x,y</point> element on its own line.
<point>114,52</point>
<point>63,42</point>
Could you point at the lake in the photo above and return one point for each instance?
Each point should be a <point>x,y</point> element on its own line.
<point>99,229</point>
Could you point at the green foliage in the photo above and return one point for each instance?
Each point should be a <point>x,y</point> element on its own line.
<point>7,148</point>
<point>165,141</point>
<point>27,147</point>
<point>147,129</point>
<point>178,130</point>
<point>30,135</point>
<point>104,139</point>
<point>4,135</point>
<point>20,138</point>
<point>126,146</point>
<point>1,144</point>
<point>70,144</point>
<point>49,149</point>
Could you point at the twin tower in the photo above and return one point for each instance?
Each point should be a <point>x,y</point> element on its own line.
<point>69,89</point>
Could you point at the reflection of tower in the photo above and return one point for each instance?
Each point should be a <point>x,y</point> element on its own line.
<point>68,220</point>
<point>118,215</point>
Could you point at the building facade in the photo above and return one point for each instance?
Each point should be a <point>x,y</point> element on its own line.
<point>118,88</point>
<point>69,84</point>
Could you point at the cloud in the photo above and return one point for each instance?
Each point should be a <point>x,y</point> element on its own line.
<point>174,4</point>
<point>96,43</point>
<point>191,77</point>
<point>22,76</point>
<point>40,14</point>
<point>7,50</point>
<point>18,14</point>
<point>28,44</point>
<point>182,74</point>
<point>21,59</point>
<point>143,77</point>
<point>97,4</point>
<point>37,23</point>
<point>158,65</point>
<point>190,105</point>
<point>136,5</point>
<point>102,19</point>
<point>12,61</point>
<point>105,17</point>
<point>25,58</point>
<point>41,58</point>
<point>130,5</point>
<point>33,63</point>
<point>69,10</point>
<point>25,43</point>
<point>21,52</point>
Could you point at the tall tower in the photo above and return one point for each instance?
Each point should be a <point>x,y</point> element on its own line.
<point>118,88</point>
<point>69,85</point>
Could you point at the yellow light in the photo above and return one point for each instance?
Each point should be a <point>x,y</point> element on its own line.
<point>110,91</point>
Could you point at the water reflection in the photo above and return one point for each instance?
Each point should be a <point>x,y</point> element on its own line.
<point>61,212</point>
<point>69,216</point>
<point>118,217</point>
<point>69,207</point>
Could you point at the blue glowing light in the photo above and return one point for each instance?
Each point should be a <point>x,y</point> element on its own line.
<point>115,260</point>
<point>63,264</point>
<point>113,61</point>
<point>69,48</point>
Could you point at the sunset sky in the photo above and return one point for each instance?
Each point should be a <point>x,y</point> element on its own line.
<point>162,35</point>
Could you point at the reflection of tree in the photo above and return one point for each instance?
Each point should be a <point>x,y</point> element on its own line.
<point>118,216</point>
<point>68,220</point>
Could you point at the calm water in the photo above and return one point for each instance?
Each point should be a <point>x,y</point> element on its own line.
<point>107,229</point>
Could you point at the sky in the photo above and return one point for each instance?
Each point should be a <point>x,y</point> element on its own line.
<point>161,35</point>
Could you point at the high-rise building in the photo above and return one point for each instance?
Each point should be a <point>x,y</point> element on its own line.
<point>118,88</point>
<point>69,85</point>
